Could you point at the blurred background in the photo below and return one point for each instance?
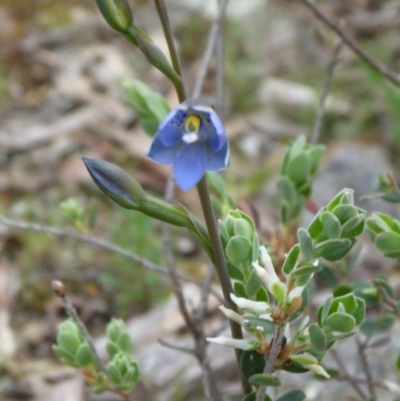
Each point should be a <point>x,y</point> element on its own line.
<point>61,75</point>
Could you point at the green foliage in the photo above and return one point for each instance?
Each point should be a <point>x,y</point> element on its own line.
<point>335,227</point>
<point>72,348</point>
<point>251,363</point>
<point>295,395</point>
<point>150,106</point>
<point>300,165</point>
<point>263,379</point>
<point>118,339</point>
<point>384,230</point>
<point>123,372</point>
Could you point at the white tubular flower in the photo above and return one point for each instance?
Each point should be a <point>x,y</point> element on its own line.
<point>394,388</point>
<point>230,314</point>
<point>245,345</point>
<point>318,370</point>
<point>267,263</point>
<point>262,273</point>
<point>252,306</point>
<point>295,293</point>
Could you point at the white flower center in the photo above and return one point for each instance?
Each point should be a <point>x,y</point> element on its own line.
<point>190,137</point>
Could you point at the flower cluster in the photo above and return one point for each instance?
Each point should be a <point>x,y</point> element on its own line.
<point>259,318</point>
<point>192,138</point>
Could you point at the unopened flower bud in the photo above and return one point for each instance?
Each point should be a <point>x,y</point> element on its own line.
<point>117,13</point>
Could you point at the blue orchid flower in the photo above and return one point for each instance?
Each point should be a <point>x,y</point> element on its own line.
<point>192,138</point>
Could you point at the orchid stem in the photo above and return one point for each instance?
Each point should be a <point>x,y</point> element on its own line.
<point>176,63</point>
<point>204,195</point>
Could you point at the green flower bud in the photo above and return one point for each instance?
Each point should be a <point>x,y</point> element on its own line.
<point>71,347</point>
<point>117,13</point>
<point>123,371</point>
<point>115,183</point>
<point>118,338</point>
<point>157,58</point>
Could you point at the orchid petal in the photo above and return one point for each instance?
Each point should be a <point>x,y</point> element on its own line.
<point>190,165</point>
<point>163,154</point>
<point>171,129</point>
<point>218,160</point>
<point>217,124</point>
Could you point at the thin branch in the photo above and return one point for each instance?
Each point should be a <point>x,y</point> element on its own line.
<point>99,243</point>
<point>179,348</point>
<point>59,290</point>
<point>205,291</point>
<point>350,379</point>
<point>324,92</point>
<point>212,40</point>
<point>220,68</point>
<point>364,362</point>
<point>351,42</point>
<point>163,15</point>
<point>273,354</point>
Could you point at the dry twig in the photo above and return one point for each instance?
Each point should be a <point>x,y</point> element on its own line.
<point>352,43</point>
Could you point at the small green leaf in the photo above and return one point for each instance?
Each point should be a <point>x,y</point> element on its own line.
<point>306,270</point>
<point>331,225</point>
<point>306,245</point>
<point>338,198</point>
<point>322,316</point>
<point>115,374</point>
<point>334,249</point>
<point>315,154</point>
<point>348,301</point>
<point>367,328</point>
<point>345,212</point>
<point>263,379</point>
<point>239,290</point>
<point>68,341</point>
<point>262,295</point>
<point>111,349</point>
<point>388,242</point>
<point>317,337</point>
<point>239,250</point>
<point>359,312</point>
<point>243,228</point>
<point>251,363</point>
<point>296,368</point>
<point>254,323</point>
<point>385,323</point>
<point>64,355</point>
<point>354,226</point>
<point>291,259</point>
<point>341,322</point>
<point>125,342</point>
<point>287,190</point>
<point>294,395</point>
<point>299,168</point>
<point>253,284</point>
<point>84,356</point>
<point>234,272</point>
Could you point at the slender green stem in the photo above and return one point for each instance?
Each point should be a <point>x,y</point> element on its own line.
<point>202,188</point>
<point>176,63</point>
<point>220,265</point>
